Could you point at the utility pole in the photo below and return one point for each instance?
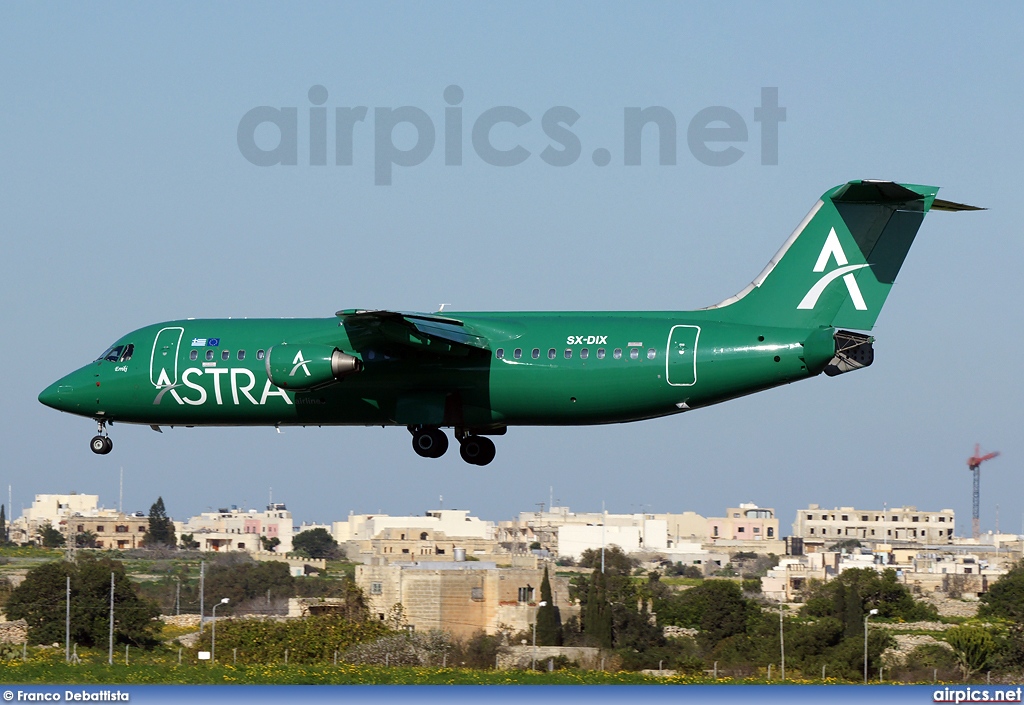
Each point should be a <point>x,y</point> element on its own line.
<point>110,654</point>
<point>782,645</point>
<point>67,621</point>
<point>202,605</point>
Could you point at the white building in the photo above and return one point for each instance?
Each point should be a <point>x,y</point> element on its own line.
<point>56,510</point>
<point>816,525</point>
<point>234,529</point>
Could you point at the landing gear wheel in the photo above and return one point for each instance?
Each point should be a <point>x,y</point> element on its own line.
<point>477,450</point>
<point>101,445</point>
<point>429,442</point>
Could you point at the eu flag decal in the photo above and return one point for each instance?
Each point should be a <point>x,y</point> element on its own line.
<point>213,342</point>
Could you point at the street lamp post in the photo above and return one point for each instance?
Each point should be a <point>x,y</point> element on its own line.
<point>533,661</point>
<point>213,626</point>
<point>866,617</point>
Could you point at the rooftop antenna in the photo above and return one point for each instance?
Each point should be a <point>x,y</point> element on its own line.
<point>120,493</point>
<point>440,501</point>
<point>551,497</point>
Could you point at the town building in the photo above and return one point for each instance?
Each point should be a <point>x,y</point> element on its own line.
<point>74,514</point>
<point>818,527</point>
<point>234,529</point>
<point>460,597</point>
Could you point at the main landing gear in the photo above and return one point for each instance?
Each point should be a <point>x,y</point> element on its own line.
<point>101,444</point>
<point>431,442</point>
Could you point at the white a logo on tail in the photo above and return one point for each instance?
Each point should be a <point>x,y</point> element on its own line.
<point>298,362</point>
<point>831,249</point>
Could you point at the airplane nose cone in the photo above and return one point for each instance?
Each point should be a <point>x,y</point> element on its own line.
<point>57,395</point>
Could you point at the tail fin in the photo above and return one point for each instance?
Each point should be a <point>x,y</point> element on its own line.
<point>837,267</point>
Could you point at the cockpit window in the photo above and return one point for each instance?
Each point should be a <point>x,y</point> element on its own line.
<point>112,353</point>
<point>127,354</point>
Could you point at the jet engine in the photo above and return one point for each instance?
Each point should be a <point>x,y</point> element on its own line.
<point>308,366</point>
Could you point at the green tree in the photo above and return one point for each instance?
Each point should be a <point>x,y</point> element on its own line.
<point>244,580</point>
<point>188,542</point>
<point>161,528</point>
<point>616,562</point>
<point>270,544</point>
<point>315,543</point>
<point>597,613</point>
<point>86,539</point>
<point>974,648</point>
<point>3,525</point>
<point>41,601</point>
<point>1005,598</point>
<point>549,620</point>
<point>50,537</point>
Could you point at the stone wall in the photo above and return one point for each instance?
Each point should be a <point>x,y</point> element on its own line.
<point>13,632</point>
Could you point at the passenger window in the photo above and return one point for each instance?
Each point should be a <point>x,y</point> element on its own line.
<point>500,353</point>
<point>634,354</point>
<point>651,353</point>
<point>209,354</point>
<point>518,353</point>
<point>260,354</point>
<point>127,354</point>
<point>194,355</point>
<point>551,353</point>
<point>241,354</point>
<point>600,353</point>
<point>226,355</point>
<point>568,353</point>
<point>584,354</point>
<point>536,353</point>
<point>617,354</point>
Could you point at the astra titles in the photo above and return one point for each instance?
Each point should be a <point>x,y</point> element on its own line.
<point>231,385</point>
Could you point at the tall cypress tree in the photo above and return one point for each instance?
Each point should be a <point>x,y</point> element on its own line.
<point>549,620</point>
<point>3,525</point>
<point>161,528</point>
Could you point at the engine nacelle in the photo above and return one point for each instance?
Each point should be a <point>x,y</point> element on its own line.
<point>308,366</point>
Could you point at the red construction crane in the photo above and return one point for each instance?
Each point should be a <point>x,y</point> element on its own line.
<point>974,463</point>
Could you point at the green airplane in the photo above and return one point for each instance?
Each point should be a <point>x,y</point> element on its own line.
<point>480,373</point>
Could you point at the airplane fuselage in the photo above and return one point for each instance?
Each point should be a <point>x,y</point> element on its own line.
<point>542,369</point>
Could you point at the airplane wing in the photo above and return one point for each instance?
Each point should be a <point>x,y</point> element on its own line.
<point>439,334</point>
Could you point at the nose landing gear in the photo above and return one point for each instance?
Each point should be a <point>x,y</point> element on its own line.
<point>101,444</point>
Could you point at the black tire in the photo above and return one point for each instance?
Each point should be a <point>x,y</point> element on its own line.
<point>100,445</point>
<point>477,450</point>
<point>430,443</point>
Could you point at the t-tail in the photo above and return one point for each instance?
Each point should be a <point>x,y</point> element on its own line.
<point>838,266</point>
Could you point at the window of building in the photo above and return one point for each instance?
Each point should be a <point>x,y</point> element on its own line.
<point>376,588</point>
<point>142,529</point>
<point>740,530</point>
<point>405,550</point>
<point>714,531</point>
<point>423,536</point>
<point>81,528</point>
<point>499,353</point>
<point>526,594</point>
<point>915,518</point>
<point>863,517</point>
<point>812,532</point>
<point>121,529</point>
<point>477,594</point>
<point>771,532</point>
<point>757,529</point>
<point>810,518</point>
<point>845,517</point>
<point>194,355</point>
<point>100,529</point>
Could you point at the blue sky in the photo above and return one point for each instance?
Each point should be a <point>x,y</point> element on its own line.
<point>127,201</point>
